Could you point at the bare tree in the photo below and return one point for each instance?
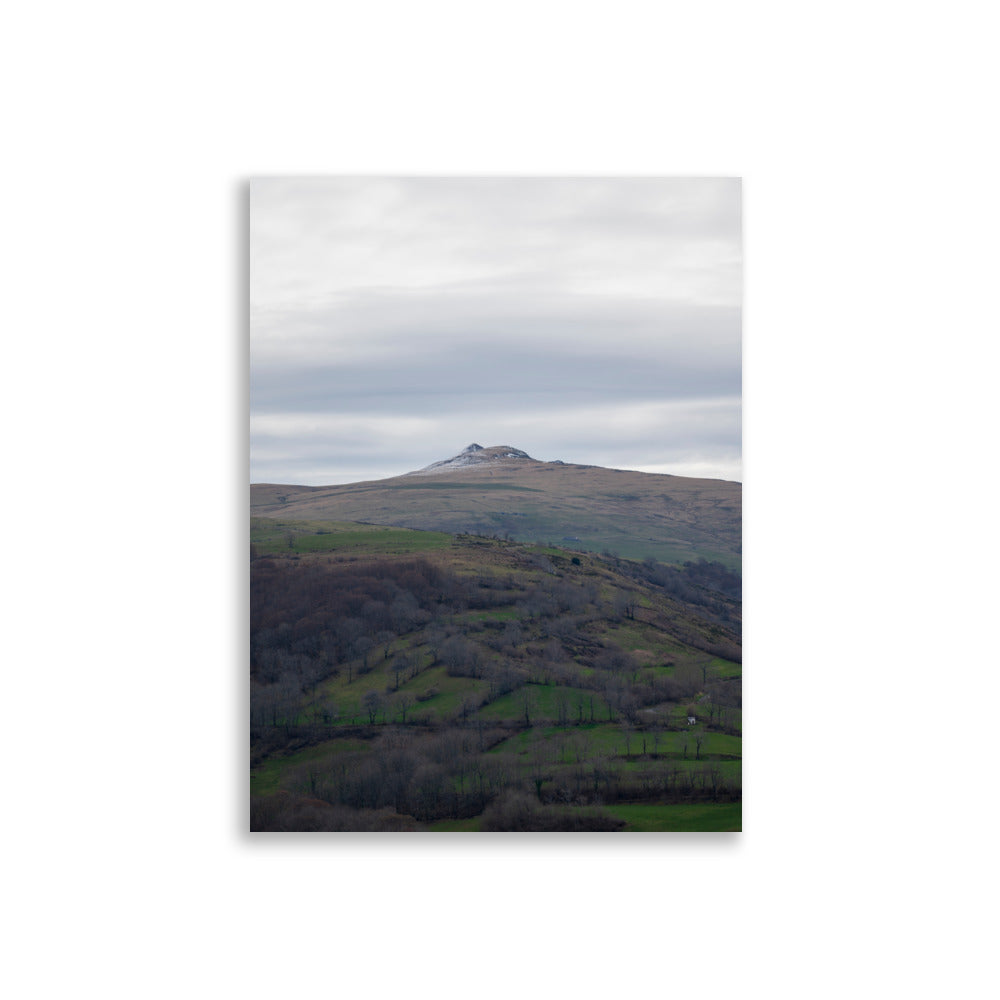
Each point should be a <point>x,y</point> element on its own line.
<point>385,639</point>
<point>541,761</point>
<point>625,603</point>
<point>403,703</point>
<point>562,707</point>
<point>628,704</point>
<point>526,704</point>
<point>713,775</point>
<point>657,733</point>
<point>372,703</point>
<point>512,635</point>
<point>469,705</point>
<point>363,647</point>
<point>400,665</point>
<point>626,727</point>
<point>705,666</point>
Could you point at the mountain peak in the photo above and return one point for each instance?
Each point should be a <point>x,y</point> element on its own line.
<point>475,456</point>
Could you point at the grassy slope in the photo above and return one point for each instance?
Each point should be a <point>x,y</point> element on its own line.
<point>636,514</point>
<point>279,536</point>
<point>568,725</point>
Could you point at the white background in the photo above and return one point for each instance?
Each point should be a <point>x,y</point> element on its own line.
<point>865,134</point>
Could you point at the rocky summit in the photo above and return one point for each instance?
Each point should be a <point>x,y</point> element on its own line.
<point>475,456</point>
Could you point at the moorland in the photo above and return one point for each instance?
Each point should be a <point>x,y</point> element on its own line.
<point>635,514</point>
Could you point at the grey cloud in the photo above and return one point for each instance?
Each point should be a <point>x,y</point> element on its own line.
<point>440,354</point>
<point>623,434</point>
<point>393,320</point>
<point>460,382</point>
<point>420,322</point>
<point>316,236</point>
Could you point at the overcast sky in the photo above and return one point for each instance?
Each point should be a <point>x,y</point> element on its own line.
<point>395,321</point>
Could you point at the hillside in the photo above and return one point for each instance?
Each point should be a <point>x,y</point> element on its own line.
<point>416,680</point>
<point>503,492</point>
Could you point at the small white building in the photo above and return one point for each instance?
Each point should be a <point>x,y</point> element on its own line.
<point>691,720</point>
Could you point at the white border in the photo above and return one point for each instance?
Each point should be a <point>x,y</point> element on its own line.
<point>863,136</point>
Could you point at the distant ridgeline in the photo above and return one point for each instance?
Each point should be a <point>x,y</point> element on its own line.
<point>502,491</point>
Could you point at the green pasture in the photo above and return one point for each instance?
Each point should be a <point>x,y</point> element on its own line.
<point>714,744</point>
<point>726,668</point>
<point>730,770</point>
<point>266,778</point>
<point>544,703</point>
<point>706,817</point>
<point>634,635</point>
<point>566,743</point>
<point>456,825</point>
<point>272,537</point>
<point>502,614</point>
<point>443,705</point>
<point>451,691</point>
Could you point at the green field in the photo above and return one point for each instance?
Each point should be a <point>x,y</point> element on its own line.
<point>276,537</point>
<point>267,777</point>
<point>702,818</point>
<point>590,740</point>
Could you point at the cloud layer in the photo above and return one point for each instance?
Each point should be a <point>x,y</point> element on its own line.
<point>393,321</point>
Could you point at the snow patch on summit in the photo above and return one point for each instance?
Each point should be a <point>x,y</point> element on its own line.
<point>474,456</point>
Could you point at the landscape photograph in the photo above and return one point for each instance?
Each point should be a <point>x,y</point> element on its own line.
<point>521,337</point>
<point>495,504</point>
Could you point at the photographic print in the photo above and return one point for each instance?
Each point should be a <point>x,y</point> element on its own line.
<point>495,504</point>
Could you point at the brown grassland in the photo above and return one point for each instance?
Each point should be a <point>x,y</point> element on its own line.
<point>586,508</point>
